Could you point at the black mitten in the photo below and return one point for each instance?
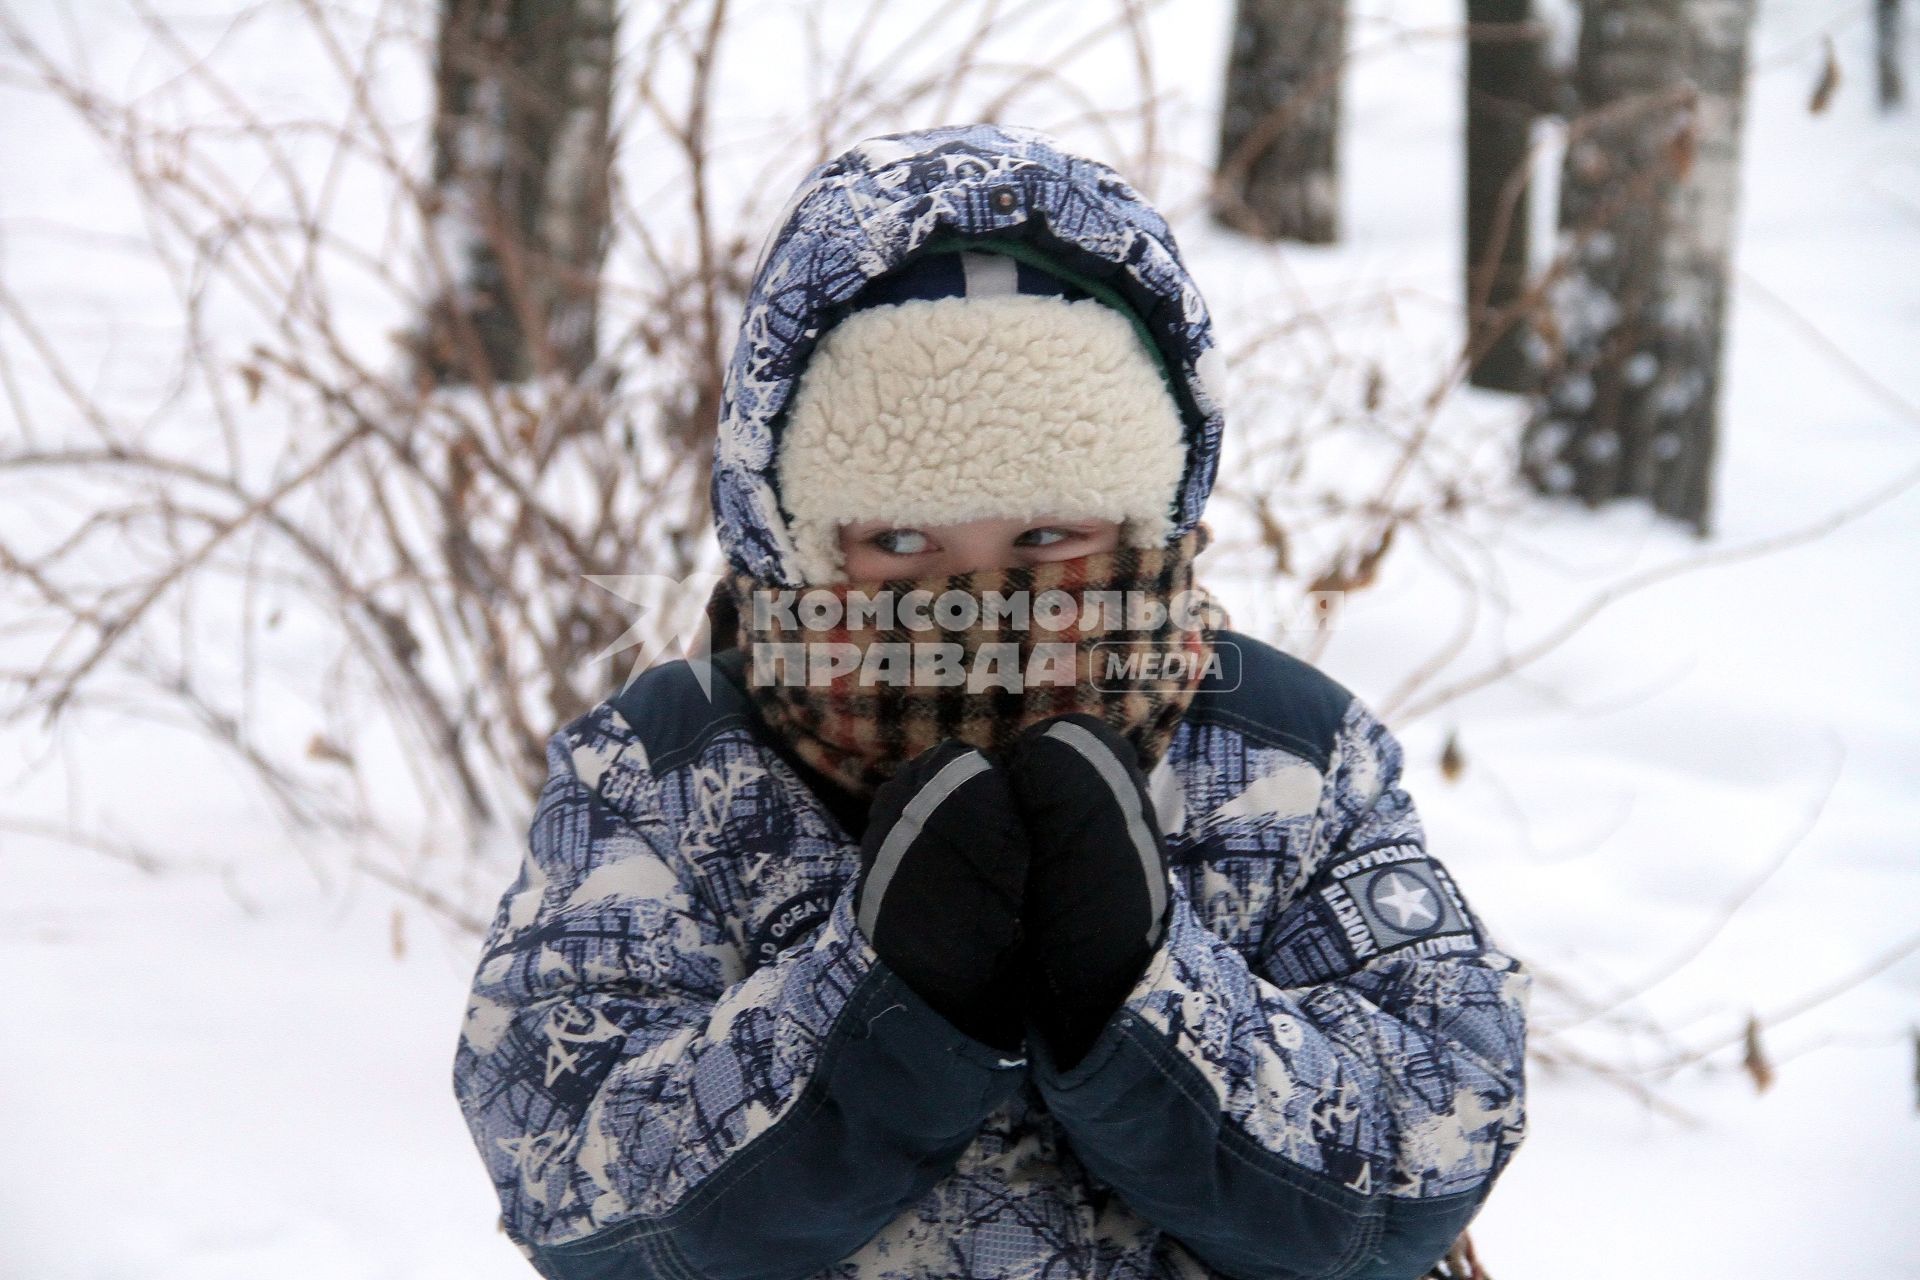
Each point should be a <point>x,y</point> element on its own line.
<point>943,870</point>
<point>1096,901</point>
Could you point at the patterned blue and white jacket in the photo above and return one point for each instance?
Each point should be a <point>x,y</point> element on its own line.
<point>682,1059</point>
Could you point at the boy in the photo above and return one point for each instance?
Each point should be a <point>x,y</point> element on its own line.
<point>982,976</point>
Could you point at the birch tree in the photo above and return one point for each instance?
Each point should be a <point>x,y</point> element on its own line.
<point>1278,171</point>
<point>1886,49</point>
<point>1503,88</point>
<point>520,173</point>
<point>1630,398</point>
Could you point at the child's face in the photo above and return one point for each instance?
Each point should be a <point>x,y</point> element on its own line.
<point>876,549</point>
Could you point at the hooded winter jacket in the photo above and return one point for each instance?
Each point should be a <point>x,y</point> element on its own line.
<point>681,1058</point>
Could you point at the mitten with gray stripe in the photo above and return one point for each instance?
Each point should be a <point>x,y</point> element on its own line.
<point>943,867</point>
<point>1096,899</point>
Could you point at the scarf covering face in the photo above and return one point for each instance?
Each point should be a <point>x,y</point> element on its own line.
<point>857,701</point>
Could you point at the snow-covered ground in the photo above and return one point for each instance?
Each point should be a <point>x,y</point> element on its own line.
<point>244,1074</point>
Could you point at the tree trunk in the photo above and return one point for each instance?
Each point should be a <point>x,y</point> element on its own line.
<point>1503,56</point>
<point>520,175</point>
<point>1278,176</point>
<point>1886,48</point>
<point>1629,403</point>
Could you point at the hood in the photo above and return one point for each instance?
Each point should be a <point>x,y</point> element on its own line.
<point>868,212</point>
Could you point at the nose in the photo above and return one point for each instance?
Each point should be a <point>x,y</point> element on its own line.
<point>971,564</point>
<point>981,550</point>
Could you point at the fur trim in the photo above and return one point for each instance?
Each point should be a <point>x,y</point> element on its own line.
<point>955,409</point>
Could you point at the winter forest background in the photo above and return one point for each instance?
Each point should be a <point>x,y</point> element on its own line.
<point>339,340</point>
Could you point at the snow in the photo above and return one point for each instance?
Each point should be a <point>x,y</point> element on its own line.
<point>240,1067</point>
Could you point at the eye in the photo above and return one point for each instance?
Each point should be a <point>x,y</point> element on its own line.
<point>900,542</point>
<point>1047,535</point>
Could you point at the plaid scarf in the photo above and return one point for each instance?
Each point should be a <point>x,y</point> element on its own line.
<point>859,721</point>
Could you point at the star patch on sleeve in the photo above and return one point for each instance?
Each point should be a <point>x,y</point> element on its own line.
<point>1396,899</point>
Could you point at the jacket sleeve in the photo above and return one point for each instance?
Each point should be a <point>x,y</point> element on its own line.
<point>646,1106</point>
<point>1339,1102</point>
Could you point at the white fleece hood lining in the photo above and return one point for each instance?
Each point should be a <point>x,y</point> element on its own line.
<point>940,411</point>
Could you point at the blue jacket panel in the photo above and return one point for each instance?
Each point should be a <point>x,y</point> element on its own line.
<point>683,1059</point>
